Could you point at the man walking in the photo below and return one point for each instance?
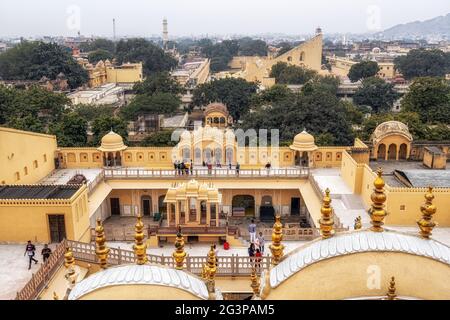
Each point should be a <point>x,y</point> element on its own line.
<point>46,252</point>
<point>30,251</point>
<point>261,242</point>
<point>252,231</point>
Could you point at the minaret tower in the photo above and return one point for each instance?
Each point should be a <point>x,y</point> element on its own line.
<point>165,34</point>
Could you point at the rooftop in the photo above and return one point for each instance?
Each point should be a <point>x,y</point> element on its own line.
<point>38,192</point>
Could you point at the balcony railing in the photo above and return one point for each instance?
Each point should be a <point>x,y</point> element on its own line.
<point>127,173</point>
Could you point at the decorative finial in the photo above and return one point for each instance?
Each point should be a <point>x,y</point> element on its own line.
<point>205,272</point>
<point>211,269</point>
<point>428,209</point>
<point>101,250</point>
<point>71,276</point>
<point>139,247</point>
<point>55,296</point>
<point>255,282</point>
<point>358,223</point>
<point>377,212</point>
<point>277,236</point>
<point>391,295</point>
<point>69,260</point>
<point>179,255</point>
<point>327,221</point>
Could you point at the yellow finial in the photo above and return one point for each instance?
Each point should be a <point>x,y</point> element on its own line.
<point>377,212</point>
<point>69,260</point>
<point>101,250</point>
<point>327,221</point>
<point>139,247</point>
<point>205,271</point>
<point>255,282</point>
<point>391,295</point>
<point>428,209</point>
<point>277,236</point>
<point>358,223</point>
<point>179,255</point>
<point>211,269</point>
<point>55,296</point>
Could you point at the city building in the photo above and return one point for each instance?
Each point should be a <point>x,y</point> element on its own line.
<point>106,94</point>
<point>193,72</point>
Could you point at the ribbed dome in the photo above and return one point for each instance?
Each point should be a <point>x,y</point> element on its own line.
<point>112,142</point>
<point>389,128</point>
<point>304,142</point>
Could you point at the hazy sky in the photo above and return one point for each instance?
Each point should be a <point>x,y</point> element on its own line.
<point>200,17</point>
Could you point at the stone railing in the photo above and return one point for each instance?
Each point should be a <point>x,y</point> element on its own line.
<point>93,184</point>
<point>205,173</point>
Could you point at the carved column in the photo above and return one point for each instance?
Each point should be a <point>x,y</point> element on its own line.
<point>208,214</point>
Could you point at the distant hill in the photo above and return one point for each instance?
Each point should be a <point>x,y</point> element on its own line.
<point>436,28</point>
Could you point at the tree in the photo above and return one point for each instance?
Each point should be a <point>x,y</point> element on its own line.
<point>158,82</point>
<point>159,139</point>
<point>362,70</point>
<point>272,95</point>
<point>102,125</point>
<point>284,47</point>
<point>71,131</point>
<point>26,123</point>
<point>100,54</point>
<point>430,98</point>
<point>376,93</point>
<point>158,103</point>
<point>236,94</point>
<point>34,60</point>
<point>220,54</point>
<point>250,47</point>
<point>90,112</point>
<point>98,44</point>
<point>140,50</point>
<point>290,74</point>
<point>423,63</point>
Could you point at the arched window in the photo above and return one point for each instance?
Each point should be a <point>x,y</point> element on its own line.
<point>186,154</point>
<point>218,155</point>
<point>229,155</point>
<point>302,56</point>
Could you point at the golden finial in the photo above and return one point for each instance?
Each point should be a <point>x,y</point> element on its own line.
<point>428,209</point>
<point>101,250</point>
<point>139,247</point>
<point>211,270</point>
<point>69,260</point>
<point>377,212</point>
<point>358,223</point>
<point>205,271</point>
<point>391,295</point>
<point>276,247</point>
<point>55,296</point>
<point>255,282</point>
<point>327,221</point>
<point>179,255</point>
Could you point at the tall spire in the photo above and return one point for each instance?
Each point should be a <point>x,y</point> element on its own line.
<point>255,282</point>
<point>377,212</point>
<point>211,270</point>
<point>327,221</point>
<point>277,236</point>
<point>179,255</point>
<point>391,295</point>
<point>139,247</point>
<point>71,276</point>
<point>428,209</point>
<point>101,250</point>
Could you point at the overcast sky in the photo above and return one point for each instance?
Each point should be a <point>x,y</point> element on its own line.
<point>201,17</point>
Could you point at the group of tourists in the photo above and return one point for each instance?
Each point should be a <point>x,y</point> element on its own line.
<point>30,251</point>
<point>257,244</point>
<point>182,168</point>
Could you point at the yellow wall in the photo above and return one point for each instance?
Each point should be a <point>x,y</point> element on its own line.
<point>333,279</point>
<point>21,151</point>
<point>127,73</point>
<point>23,220</point>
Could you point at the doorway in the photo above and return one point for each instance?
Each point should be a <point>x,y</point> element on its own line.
<point>146,205</point>
<point>57,226</point>
<point>115,206</point>
<point>295,206</point>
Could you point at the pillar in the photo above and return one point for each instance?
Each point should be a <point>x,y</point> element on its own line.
<point>169,213</point>
<point>177,213</point>
<point>398,153</point>
<point>187,210</point>
<point>198,211</point>
<point>208,214</point>
<point>217,214</point>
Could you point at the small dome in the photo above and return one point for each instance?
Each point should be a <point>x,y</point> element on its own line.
<point>112,142</point>
<point>216,107</point>
<point>304,142</point>
<point>390,128</point>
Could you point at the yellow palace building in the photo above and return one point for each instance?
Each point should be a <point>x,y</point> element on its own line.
<point>54,193</point>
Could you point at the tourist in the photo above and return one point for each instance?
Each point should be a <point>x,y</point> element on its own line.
<point>175,167</point>
<point>46,252</point>
<point>187,167</point>
<point>192,167</point>
<point>252,231</point>
<point>268,166</point>
<point>251,250</point>
<point>209,168</point>
<point>261,242</point>
<point>30,251</point>
<point>258,256</point>
<point>238,167</point>
<point>229,166</point>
